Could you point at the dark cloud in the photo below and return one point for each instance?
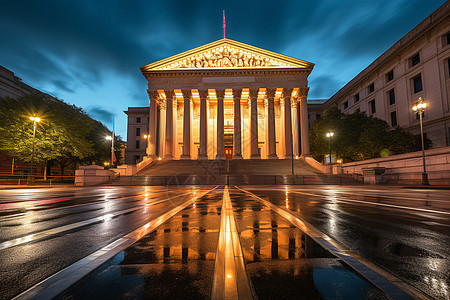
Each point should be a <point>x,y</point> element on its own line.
<point>100,113</point>
<point>68,45</point>
<point>325,85</point>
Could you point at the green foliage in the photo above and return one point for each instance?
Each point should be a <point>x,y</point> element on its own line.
<point>358,137</point>
<point>65,134</point>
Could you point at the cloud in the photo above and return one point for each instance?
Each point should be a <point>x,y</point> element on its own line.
<point>100,113</point>
<point>64,47</point>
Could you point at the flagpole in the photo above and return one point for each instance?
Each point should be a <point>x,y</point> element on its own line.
<point>224,24</point>
<point>112,145</point>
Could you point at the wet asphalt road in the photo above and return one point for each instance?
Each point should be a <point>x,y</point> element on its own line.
<point>179,256</point>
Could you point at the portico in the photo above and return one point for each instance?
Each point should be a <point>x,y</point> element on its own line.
<point>228,100</point>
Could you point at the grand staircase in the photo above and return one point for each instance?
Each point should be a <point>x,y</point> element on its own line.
<point>237,172</point>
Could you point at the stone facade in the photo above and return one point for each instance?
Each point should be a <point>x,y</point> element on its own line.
<point>418,65</point>
<point>226,100</point>
<point>12,86</point>
<point>137,128</point>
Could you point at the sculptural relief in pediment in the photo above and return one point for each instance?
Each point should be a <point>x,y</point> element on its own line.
<point>225,57</point>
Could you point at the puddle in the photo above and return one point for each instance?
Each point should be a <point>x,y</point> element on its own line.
<point>283,262</point>
<point>175,261</point>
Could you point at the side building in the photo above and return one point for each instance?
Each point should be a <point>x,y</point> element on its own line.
<point>418,65</point>
<point>12,86</point>
<point>137,130</point>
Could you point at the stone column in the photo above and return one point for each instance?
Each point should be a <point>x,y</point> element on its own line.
<point>162,128</point>
<point>220,94</point>
<point>151,149</point>
<point>294,104</point>
<point>175,152</point>
<point>203,125</point>
<point>304,122</point>
<point>254,124</point>
<point>237,124</point>
<point>270,93</point>
<point>169,125</point>
<point>186,125</point>
<point>282,131</point>
<point>287,123</point>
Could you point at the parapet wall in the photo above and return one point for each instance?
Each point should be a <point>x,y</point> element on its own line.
<point>407,168</point>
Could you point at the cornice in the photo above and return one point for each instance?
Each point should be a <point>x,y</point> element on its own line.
<point>224,72</point>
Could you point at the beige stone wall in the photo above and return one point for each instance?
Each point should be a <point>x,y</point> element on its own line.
<point>429,41</point>
<point>408,168</point>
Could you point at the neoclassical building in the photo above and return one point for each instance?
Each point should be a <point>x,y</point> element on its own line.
<point>224,100</point>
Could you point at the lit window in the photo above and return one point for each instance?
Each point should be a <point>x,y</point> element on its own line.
<point>391,95</point>
<point>417,84</point>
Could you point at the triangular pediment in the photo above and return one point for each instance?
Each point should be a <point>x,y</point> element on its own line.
<point>227,54</point>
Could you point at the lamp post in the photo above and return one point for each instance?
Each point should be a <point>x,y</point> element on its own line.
<point>35,120</point>
<point>330,135</point>
<point>419,107</point>
<point>110,138</point>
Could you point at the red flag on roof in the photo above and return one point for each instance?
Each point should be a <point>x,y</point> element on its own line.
<point>224,25</point>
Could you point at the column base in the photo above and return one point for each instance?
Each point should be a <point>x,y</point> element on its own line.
<point>272,156</point>
<point>153,156</point>
<point>220,157</point>
<point>185,157</point>
<point>238,156</point>
<point>168,157</point>
<point>255,156</point>
<point>305,155</point>
<point>202,157</point>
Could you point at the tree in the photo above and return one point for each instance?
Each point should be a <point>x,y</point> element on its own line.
<point>65,134</point>
<point>358,136</point>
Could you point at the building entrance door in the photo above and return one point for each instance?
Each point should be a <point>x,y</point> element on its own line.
<point>228,144</point>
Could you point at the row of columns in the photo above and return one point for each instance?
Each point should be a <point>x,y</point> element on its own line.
<point>289,123</point>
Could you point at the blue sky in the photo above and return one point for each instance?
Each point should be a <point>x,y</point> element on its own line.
<point>88,53</point>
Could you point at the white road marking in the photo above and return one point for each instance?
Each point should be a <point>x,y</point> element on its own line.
<point>57,283</point>
<point>230,278</point>
<point>378,204</point>
<point>46,233</point>
<point>384,280</point>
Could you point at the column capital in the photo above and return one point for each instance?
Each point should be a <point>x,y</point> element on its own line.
<point>187,93</point>
<point>294,103</point>
<point>237,93</point>
<point>153,94</point>
<point>220,93</point>
<point>287,92</point>
<point>203,94</point>
<point>303,92</point>
<point>270,92</point>
<point>161,103</point>
<point>169,94</point>
<point>253,93</point>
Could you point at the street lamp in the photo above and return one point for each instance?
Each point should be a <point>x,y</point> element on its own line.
<point>35,120</point>
<point>330,135</point>
<point>110,138</point>
<point>419,107</point>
